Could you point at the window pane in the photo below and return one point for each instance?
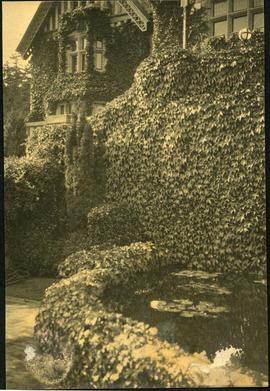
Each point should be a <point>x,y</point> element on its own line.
<point>73,64</point>
<point>258,21</point>
<point>99,44</point>
<point>83,43</point>
<point>220,8</point>
<point>239,23</point>
<point>220,28</point>
<point>258,3</point>
<point>62,109</point>
<point>83,62</point>
<point>53,21</point>
<point>99,61</point>
<point>239,5</point>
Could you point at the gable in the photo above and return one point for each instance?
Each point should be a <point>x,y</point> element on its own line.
<point>138,10</point>
<point>33,28</point>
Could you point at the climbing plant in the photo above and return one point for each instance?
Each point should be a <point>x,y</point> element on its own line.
<point>43,67</point>
<point>124,45</point>
<point>185,148</point>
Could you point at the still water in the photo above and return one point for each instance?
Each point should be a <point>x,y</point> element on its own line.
<point>203,312</point>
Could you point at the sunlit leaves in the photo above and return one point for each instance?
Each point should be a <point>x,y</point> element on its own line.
<point>185,148</point>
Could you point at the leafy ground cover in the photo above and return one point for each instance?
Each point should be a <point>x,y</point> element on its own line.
<point>101,346</point>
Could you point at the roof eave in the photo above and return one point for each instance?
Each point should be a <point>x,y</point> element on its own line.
<point>33,28</point>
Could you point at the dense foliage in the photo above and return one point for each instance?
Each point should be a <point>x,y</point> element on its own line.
<point>168,24</point>
<point>44,67</point>
<point>185,152</point>
<point>34,214</point>
<point>79,171</point>
<point>16,101</point>
<point>115,224</point>
<point>70,149</point>
<point>185,149</point>
<point>51,84</point>
<point>96,347</point>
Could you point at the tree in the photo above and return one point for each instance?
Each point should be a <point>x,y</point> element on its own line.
<point>16,102</point>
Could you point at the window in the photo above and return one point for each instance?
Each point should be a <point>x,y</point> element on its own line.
<point>83,65</point>
<point>239,5</point>
<point>99,45</point>
<point>74,63</point>
<point>258,22</point>
<point>76,54</point>
<point>220,8</point>
<point>231,16</point>
<point>64,108</point>
<point>99,61</point>
<point>258,3</point>
<point>99,56</point>
<point>220,28</point>
<point>239,23</point>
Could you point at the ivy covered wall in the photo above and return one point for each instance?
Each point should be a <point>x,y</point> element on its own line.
<point>185,148</point>
<point>126,47</point>
<point>44,68</point>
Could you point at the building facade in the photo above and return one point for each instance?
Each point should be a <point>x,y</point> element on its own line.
<point>85,53</point>
<point>230,16</point>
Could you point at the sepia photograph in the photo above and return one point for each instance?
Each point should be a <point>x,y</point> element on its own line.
<point>134,194</point>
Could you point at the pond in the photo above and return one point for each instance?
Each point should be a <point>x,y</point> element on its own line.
<point>202,312</point>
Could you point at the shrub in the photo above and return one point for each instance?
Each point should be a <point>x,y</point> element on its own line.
<point>114,223</point>
<point>134,257</point>
<point>34,213</point>
<point>58,144</point>
<point>48,142</point>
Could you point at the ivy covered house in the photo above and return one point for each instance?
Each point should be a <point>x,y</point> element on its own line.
<point>85,53</point>
<point>82,54</point>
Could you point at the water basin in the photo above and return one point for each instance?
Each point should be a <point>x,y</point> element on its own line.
<point>202,311</point>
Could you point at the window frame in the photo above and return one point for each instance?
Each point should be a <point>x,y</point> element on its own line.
<point>249,12</point>
<point>99,50</point>
<point>79,51</point>
<point>257,28</point>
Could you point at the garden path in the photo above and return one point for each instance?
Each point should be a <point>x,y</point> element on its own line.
<point>22,304</point>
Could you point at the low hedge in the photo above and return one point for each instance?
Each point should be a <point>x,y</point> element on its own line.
<point>114,223</point>
<point>84,343</point>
